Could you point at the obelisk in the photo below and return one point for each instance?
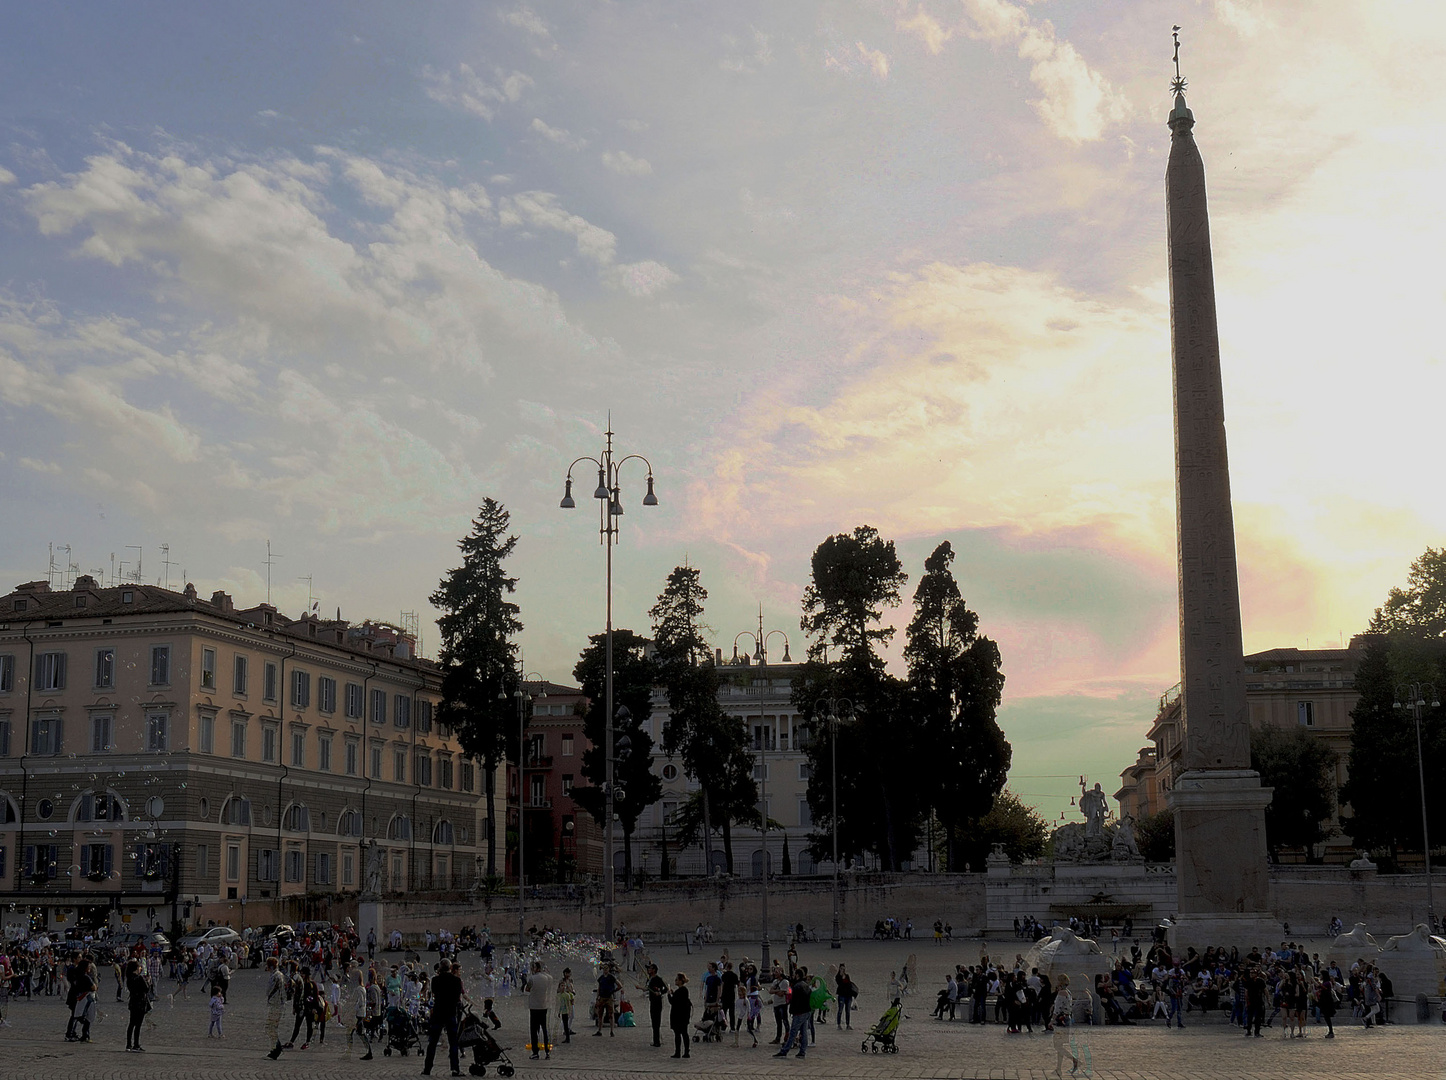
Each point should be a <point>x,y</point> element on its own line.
<point>1224,888</point>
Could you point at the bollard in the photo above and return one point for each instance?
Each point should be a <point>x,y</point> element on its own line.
<point>1423,1009</point>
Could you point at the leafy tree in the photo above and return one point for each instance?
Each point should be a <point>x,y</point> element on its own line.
<point>636,786</point>
<point>955,687</point>
<point>714,746</point>
<point>478,657</point>
<point>1301,770</point>
<point>1419,608</point>
<point>1011,822</point>
<point>880,798</point>
<point>1155,836</point>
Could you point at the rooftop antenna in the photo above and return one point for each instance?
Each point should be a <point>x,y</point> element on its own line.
<point>312,605</point>
<point>71,569</point>
<point>52,570</point>
<point>136,576</point>
<point>166,562</point>
<point>113,581</point>
<point>1177,84</point>
<point>412,623</point>
<point>270,558</point>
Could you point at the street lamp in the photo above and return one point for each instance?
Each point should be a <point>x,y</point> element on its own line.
<point>610,508</point>
<point>1414,696</point>
<point>833,711</point>
<point>524,701</point>
<point>760,654</point>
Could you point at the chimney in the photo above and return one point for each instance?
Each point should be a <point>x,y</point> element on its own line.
<point>222,600</point>
<point>85,581</point>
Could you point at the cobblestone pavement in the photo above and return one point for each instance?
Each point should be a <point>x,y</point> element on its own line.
<point>1207,1049</point>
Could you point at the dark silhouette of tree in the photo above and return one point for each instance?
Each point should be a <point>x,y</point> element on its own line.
<point>855,577</point>
<point>1011,822</point>
<point>477,655</point>
<point>1155,837</point>
<point>1301,770</point>
<point>955,687</point>
<point>636,786</point>
<point>1420,608</point>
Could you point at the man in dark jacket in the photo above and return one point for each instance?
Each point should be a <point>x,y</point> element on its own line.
<point>800,1011</point>
<point>446,1009</point>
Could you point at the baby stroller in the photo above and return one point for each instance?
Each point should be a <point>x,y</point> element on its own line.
<point>401,1032</point>
<point>485,1049</point>
<point>712,1026</point>
<point>881,1035</point>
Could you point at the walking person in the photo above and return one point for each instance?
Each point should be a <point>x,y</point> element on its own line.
<point>845,990</point>
<point>800,1011</point>
<point>446,1005</point>
<point>1063,1017</point>
<point>218,1010</point>
<point>275,1003</point>
<point>539,1003</point>
<point>138,1001</point>
<point>679,1013</point>
<point>358,1000</point>
<point>565,998</point>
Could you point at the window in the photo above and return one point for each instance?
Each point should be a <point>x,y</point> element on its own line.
<point>803,771</point>
<point>353,701</point>
<point>298,749</point>
<point>99,806</point>
<point>207,734</point>
<point>238,738</point>
<point>402,711</point>
<point>323,753</point>
<point>443,833</point>
<point>50,670</point>
<point>7,674</point>
<point>762,771</point>
<point>1305,713</point>
<point>348,868</point>
<point>4,743</point>
<point>399,828</point>
<point>104,669</point>
<point>670,772</point>
<point>268,682</point>
<point>157,732</point>
<point>349,823</point>
<point>379,706</point>
<point>567,746</point>
<point>300,689</point>
<point>153,861</point>
<point>323,868</point>
<point>297,819</point>
<point>536,748</point>
<point>805,815</point>
<point>377,761</point>
<point>469,776</point>
<point>295,865</point>
<point>208,669</point>
<point>351,757</point>
<point>266,868</point>
<point>424,769</point>
<point>237,811</point>
<point>233,862</point>
<point>445,768</point>
<point>537,791</point>
<point>128,597</point>
<point>424,717</point>
<point>95,861</point>
<point>399,767</point>
<point>101,731</point>
<point>326,694</point>
<point>567,783</point>
<point>45,736</point>
<point>238,676</point>
<point>160,665</point>
<point>268,742</point>
<point>40,861</point>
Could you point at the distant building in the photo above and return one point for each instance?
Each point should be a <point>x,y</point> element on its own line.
<point>1139,794</point>
<point>165,758</point>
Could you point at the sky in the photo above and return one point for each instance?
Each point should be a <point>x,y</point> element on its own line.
<point>328,275</point>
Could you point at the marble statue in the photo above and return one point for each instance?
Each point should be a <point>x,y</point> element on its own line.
<point>1125,847</point>
<point>374,870</point>
<point>1095,807</point>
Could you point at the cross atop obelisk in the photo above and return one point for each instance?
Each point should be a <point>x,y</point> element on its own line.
<point>1218,801</point>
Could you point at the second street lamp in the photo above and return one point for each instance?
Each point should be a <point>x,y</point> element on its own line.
<point>524,706</point>
<point>610,508</point>
<point>834,711</point>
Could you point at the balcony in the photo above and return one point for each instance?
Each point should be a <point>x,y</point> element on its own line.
<point>538,762</point>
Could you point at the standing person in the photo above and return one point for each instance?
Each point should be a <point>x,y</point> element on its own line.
<point>357,994</point>
<point>1254,1001</point>
<point>565,998</point>
<point>679,1013</point>
<point>446,1004</point>
<point>657,991</point>
<point>728,995</point>
<point>138,1002</point>
<point>1325,999</point>
<point>778,993</point>
<point>83,985</point>
<point>1063,1016</point>
<point>218,1010</point>
<point>275,1002</point>
<point>372,943</point>
<point>539,1003</point>
<point>845,990</point>
<point>607,988</point>
<point>800,1011</point>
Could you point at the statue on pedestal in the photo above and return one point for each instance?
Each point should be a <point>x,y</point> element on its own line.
<point>1094,806</point>
<point>373,882</point>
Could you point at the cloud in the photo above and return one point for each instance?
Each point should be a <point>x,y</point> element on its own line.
<point>6,176</point>
<point>524,18</point>
<point>558,135</point>
<point>860,58</point>
<point>465,89</point>
<point>645,278</point>
<point>1078,102</point>
<point>541,209</point>
<point>624,164</point>
<point>927,28</point>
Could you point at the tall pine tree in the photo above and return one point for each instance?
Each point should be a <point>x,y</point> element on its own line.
<point>478,656</point>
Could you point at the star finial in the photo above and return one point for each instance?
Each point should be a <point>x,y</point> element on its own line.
<point>1177,84</point>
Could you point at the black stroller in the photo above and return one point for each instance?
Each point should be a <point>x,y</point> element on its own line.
<point>402,1035</point>
<point>485,1049</point>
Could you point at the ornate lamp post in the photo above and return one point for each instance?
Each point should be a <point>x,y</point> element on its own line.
<point>610,508</point>
<point>760,655</point>
<point>1414,696</point>
<point>833,711</point>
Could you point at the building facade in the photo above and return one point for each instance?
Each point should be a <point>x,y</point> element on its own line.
<point>178,760</point>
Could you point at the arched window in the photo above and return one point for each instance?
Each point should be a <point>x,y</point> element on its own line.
<point>237,811</point>
<point>349,823</point>
<point>8,810</point>
<point>442,833</point>
<point>399,828</point>
<point>297,818</point>
<point>99,806</point>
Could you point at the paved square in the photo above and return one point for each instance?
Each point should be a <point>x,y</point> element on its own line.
<point>1207,1049</point>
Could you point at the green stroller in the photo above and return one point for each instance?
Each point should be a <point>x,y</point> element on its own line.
<point>881,1037</point>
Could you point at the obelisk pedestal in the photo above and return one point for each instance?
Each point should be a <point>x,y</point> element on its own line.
<point>1224,888</point>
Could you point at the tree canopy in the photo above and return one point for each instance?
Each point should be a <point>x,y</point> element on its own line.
<point>1419,608</point>
<point>1301,771</point>
<point>855,576</point>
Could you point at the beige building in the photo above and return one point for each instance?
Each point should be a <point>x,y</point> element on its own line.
<point>173,759</point>
<point>1139,794</point>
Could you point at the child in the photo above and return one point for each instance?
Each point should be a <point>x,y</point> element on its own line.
<point>218,1010</point>
<point>755,1011</point>
<point>740,1008</point>
<point>565,998</point>
<point>488,1013</point>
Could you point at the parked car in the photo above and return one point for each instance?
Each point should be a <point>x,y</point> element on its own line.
<point>214,935</point>
<point>130,940</point>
